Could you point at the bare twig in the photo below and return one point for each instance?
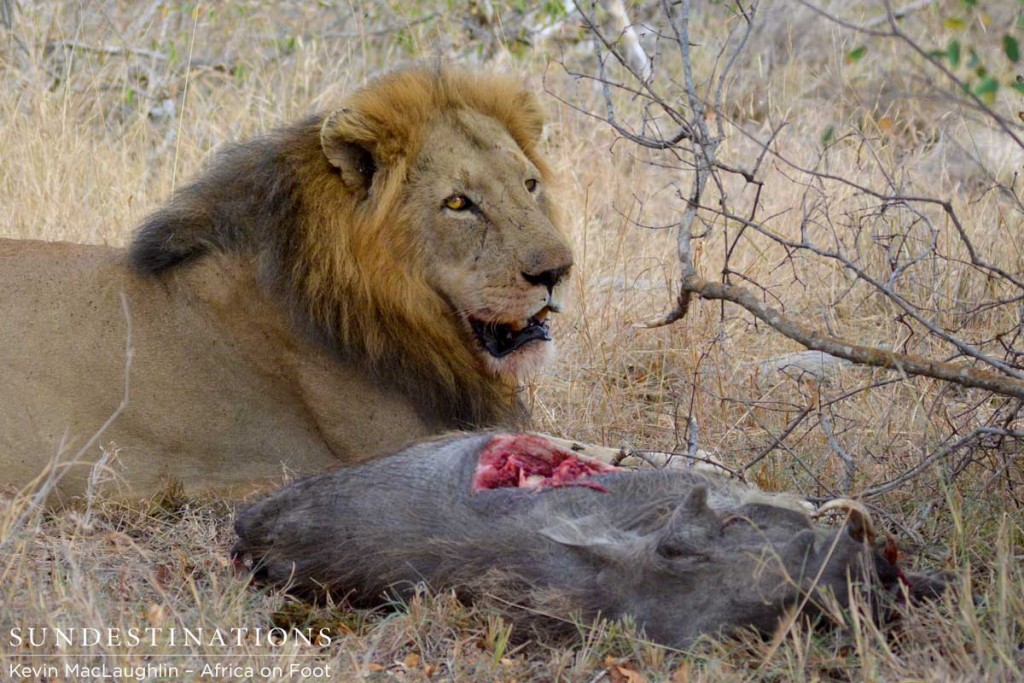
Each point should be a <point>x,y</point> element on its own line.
<point>898,13</point>
<point>662,459</point>
<point>862,274</point>
<point>705,161</point>
<point>905,363</point>
<point>661,141</point>
<point>849,462</point>
<point>777,441</point>
<point>941,453</point>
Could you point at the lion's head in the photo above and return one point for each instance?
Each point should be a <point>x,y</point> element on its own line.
<point>413,227</point>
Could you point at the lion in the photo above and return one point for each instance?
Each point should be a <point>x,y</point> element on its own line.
<point>319,295</point>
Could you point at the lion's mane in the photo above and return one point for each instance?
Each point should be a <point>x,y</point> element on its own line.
<point>343,258</point>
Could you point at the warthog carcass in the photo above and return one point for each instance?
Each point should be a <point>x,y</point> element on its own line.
<point>683,553</point>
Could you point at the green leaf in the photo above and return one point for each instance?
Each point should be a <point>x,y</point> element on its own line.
<point>973,60</point>
<point>553,9</point>
<point>1011,48</point>
<point>828,136</point>
<point>856,54</point>
<point>1019,87</point>
<point>955,24</point>
<point>986,85</point>
<point>953,53</point>
<point>986,89</point>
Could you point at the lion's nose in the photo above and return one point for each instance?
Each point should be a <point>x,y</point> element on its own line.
<point>549,278</point>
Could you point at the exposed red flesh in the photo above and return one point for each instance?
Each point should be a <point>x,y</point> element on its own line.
<point>527,461</point>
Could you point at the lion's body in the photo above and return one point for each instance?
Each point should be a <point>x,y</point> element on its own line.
<point>222,395</point>
<point>318,295</point>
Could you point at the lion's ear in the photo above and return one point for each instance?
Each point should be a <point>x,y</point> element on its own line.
<point>348,140</point>
<point>530,118</point>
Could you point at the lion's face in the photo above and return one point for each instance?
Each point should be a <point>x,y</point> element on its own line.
<point>450,239</point>
<point>482,212</point>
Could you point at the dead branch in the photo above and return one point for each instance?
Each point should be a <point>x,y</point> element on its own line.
<point>908,364</point>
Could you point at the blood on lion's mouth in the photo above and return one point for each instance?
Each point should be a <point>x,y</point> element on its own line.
<point>501,339</point>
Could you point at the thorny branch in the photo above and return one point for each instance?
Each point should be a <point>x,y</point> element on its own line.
<point>921,236</point>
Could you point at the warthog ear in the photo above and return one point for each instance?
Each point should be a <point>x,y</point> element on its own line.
<point>349,139</point>
<point>693,514</point>
<point>594,535</point>
<point>686,530</point>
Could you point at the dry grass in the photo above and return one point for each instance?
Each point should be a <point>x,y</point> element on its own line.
<point>90,141</point>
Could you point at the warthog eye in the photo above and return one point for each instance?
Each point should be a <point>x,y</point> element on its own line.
<point>457,202</point>
<point>675,549</point>
<point>733,520</point>
<point>531,185</point>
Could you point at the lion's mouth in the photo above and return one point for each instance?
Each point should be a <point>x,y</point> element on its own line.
<point>501,339</point>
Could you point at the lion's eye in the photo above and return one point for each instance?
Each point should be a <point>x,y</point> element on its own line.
<point>531,185</point>
<point>457,203</point>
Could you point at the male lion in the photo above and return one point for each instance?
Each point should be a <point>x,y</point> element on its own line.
<point>318,295</point>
